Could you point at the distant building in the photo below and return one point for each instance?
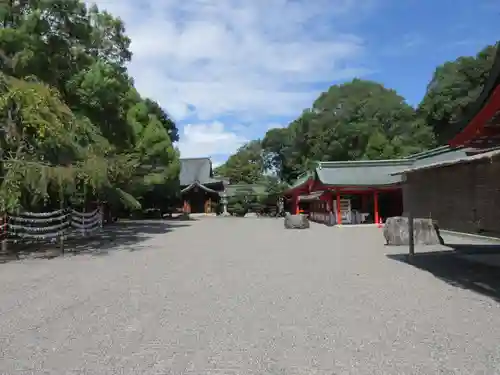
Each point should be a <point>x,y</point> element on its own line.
<point>200,190</point>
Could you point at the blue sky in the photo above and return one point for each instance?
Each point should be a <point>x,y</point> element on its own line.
<point>229,70</point>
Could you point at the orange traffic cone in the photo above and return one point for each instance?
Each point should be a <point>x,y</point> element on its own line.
<point>380,223</point>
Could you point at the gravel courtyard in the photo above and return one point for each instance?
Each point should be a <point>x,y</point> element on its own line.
<point>245,296</point>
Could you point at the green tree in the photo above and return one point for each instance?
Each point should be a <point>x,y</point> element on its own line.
<point>245,166</point>
<point>455,85</point>
<point>353,121</point>
<point>73,110</point>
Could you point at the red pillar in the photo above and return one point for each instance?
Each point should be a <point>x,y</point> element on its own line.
<point>295,204</point>
<point>339,214</point>
<point>375,201</point>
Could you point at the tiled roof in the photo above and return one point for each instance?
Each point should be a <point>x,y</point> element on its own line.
<point>196,170</point>
<point>373,173</point>
<point>440,154</point>
<point>361,173</point>
<point>458,160</point>
<point>249,189</point>
<point>300,181</point>
<point>198,185</point>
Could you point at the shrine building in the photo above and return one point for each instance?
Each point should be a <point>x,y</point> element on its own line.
<point>358,192</point>
<point>200,190</point>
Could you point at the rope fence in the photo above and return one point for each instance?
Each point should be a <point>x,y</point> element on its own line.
<point>65,223</point>
<point>49,227</point>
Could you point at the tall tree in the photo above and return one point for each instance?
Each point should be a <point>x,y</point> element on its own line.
<point>65,84</point>
<point>245,166</point>
<point>353,121</point>
<point>454,85</point>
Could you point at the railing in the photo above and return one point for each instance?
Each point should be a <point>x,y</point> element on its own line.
<point>52,225</point>
<point>323,217</point>
<point>30,228</point>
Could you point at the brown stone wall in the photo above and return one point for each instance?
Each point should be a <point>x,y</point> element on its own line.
<point>461,197</point>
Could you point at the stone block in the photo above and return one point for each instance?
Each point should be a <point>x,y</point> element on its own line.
<point>425,231</point>
<point>296,221</point>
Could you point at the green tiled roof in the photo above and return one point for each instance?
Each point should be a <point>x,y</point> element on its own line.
<point>249,189</point>
<point>373,173</point>
<point>303,178</point>
<point>437,155</point>
<point>197,170</point>
<point>469,157</point>
<point>361,173</point>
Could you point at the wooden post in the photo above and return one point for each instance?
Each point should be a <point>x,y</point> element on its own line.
<point>4,235</point>
<point>61,205</point>
<point>101,214</point>
<point>295,204</point>
<point>84,201</point>
<point>375,202</point>
<point>411,238</point>
<point>339,213</point>
<point>364,201</point>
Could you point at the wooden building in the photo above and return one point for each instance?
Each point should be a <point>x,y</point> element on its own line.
<point>463,194</point>
<point>349,192</point>
<point>200,191</point>
<point>357,192</point>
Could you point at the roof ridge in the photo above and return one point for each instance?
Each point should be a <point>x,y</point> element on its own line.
<point>353,163</point>
<point>197,158</point>
<point>433,152</point>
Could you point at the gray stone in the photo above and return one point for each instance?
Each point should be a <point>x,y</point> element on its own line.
<point>185,216</point>
<point>243,297</point>
<point>251,214</point>
<point>425,231</point>
<point>296,221</point>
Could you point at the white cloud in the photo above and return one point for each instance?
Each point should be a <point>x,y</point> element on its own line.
<point>246,59</point>
<point>211,139</point>
<point>235,55</point>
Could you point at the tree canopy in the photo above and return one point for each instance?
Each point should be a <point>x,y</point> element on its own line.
<point>70,112</point>
<point>363,120</point>
<point>455,85</point>
<point>356,120</point>
<point>245,166</point>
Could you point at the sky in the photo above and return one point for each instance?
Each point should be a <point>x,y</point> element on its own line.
<point>229,70</point>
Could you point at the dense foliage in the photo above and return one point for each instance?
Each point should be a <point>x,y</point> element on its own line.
<point>453,87</point>
<point>245,166</point>
<point>73,124</point>
<point>363,120</point>
<point>263,201</point>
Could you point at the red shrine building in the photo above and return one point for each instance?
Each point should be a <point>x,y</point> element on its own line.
<point>359,192</point>
<point>349,192</point>
<point>457,185</point>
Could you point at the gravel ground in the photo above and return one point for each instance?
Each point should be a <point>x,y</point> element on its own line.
<point>245,296</point>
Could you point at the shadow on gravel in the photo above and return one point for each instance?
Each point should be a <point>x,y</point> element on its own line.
<point>466,267</point>
<point>125,235</point>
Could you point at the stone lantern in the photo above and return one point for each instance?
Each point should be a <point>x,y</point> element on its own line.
<point>223,200</point>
